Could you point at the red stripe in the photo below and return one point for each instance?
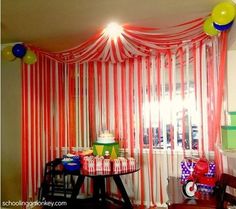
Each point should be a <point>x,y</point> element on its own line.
<point>72,127</point>
<point>81,83</point>
<point>36,122</point>
<point>220,93</point>
<point>40,115</point>
<point>124,103</point>
<point>61,144</point>
<point>113,49</point>
<point>107,97</point>
<point>23,133</point>
<point>31,140</point>
<point>49,128</point>
<point>91,90</point>
<point>54,99</point>
<point>116,122</point>
<point>201,105</point>
<point>210,90</point>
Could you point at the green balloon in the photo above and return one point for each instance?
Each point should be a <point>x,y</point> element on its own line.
<point>223,13</point>
<point>208,27</point>
<point>7,53</point>
<point>30,57</point>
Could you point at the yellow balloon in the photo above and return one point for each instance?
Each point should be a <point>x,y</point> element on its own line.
<point>208,27</point>
<point>30,57</point>
<point>223,13</point>
<point>7,53</point>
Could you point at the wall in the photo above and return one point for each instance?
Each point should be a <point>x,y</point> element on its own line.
<point>231,75</point>
<point>10,131</point>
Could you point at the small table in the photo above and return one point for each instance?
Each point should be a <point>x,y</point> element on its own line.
<point>178,201</point>
<point>99,184</point>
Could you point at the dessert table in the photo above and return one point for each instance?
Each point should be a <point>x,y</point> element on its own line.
<point>99,185</point>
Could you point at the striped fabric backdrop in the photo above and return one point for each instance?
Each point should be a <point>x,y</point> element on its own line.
<point>65,105</point>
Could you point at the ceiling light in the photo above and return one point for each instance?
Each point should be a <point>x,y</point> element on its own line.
<point>113,30</point>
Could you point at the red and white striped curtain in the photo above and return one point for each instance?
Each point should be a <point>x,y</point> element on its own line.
<point>147,101</point>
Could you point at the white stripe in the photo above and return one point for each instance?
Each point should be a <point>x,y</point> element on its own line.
<point>111,97</point>
<point>85,94</point>
<point>163,100</point>
<point>204,99</point>
<point>97,112</point>
<point>111,53</point>
<point>198,96</point>
<point>84,104</point>
<point>136,103</point>
<point>127,108</point>
<point>119,101</point>
<point>118,52</point>
<point>174,100</point>
<point>79,106</point>
<point>103,84</point>
<point>189,100</point>
<point>103,40</point>
<point>130,47</point>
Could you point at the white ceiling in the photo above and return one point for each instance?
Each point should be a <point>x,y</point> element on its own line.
<point>56,25</point>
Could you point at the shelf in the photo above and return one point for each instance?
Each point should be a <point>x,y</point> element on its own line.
<point>231,153</point>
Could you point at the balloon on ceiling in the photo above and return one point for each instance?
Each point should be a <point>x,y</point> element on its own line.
<point>221,19</point>
<point>10,53</point>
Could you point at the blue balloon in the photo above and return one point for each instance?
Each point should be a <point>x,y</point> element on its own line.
<point>19,50</point>
<point>223,27</point>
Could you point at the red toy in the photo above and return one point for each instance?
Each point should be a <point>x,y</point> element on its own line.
<point>198,176</point>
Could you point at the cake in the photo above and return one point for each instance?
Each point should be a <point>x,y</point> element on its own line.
<point>106,138</point>
<point>106,143</point>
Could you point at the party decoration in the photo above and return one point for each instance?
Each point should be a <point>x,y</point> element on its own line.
<point>223,27</point>
<point>30,57</point>
<point>7,53</point>
<point>209,28</point>
<point>19,50</point>
<point>223,13</point>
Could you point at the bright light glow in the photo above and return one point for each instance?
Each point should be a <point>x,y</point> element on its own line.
<point>113,30</point>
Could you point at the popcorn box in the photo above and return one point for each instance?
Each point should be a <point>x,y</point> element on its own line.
<point>228,137</point>
<point>99,163</point>
<point>116,165</point>
<point>131,163</point>
<point>112,148</point>
<point>106,165</point>
<point>123,163</point>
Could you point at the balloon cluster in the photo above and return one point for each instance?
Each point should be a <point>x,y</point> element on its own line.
<point>10,53</point>
<point>221,19</point>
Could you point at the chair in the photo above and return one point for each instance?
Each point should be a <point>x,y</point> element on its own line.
<point>224,197</point>
<point>54,181</point>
